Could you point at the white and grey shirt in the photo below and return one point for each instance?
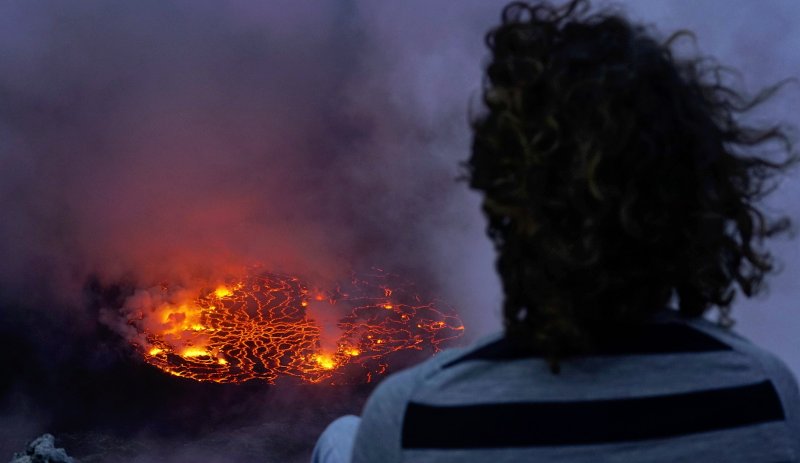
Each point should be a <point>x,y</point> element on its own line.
<point>684,390</point>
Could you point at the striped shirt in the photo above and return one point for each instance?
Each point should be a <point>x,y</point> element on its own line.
<point>685,390</point>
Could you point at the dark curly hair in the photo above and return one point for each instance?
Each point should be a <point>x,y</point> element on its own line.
<point>615,176</point>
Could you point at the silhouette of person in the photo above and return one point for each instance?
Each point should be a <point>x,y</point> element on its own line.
<point>621,189</point>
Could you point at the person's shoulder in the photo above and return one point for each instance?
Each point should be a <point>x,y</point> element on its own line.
<point>405,381</point>
<point>770,364</point>
<point>725,335</point>
<point>779,374</point>
<point>378,437</point>
<point>383,413</point>
<point>447,357</point>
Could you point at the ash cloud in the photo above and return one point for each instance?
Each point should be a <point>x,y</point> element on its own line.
<point>166,141</point>
<point>154,140</point>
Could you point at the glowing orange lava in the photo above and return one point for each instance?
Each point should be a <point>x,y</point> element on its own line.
<point>260,327</point>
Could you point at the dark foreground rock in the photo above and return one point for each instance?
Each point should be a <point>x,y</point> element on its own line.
<point>43,450</point>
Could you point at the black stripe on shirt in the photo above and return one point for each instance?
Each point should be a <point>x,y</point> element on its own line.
<point>530,424</point>
<point>661,338</point>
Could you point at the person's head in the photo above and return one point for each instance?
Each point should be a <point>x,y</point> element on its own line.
<point>615,176</point>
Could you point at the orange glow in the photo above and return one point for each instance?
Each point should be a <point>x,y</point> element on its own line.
<point>222,292</point>
<point>325,361</point>
<point>258,328</point>
<point>194,352</point>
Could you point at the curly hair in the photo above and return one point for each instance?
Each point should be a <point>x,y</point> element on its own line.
<point>616,176</point>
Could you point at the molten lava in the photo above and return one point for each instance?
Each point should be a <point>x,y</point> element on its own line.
<point>260,327</point>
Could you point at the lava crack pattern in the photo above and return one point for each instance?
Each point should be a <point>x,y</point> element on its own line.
<point>261,327</point>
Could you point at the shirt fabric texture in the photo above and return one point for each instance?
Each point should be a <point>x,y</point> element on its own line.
<point>685,390</point>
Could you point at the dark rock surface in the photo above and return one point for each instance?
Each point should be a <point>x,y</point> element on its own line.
<point>43,450</point>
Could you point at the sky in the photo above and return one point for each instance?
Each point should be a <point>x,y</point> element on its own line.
<point>161,140</point>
